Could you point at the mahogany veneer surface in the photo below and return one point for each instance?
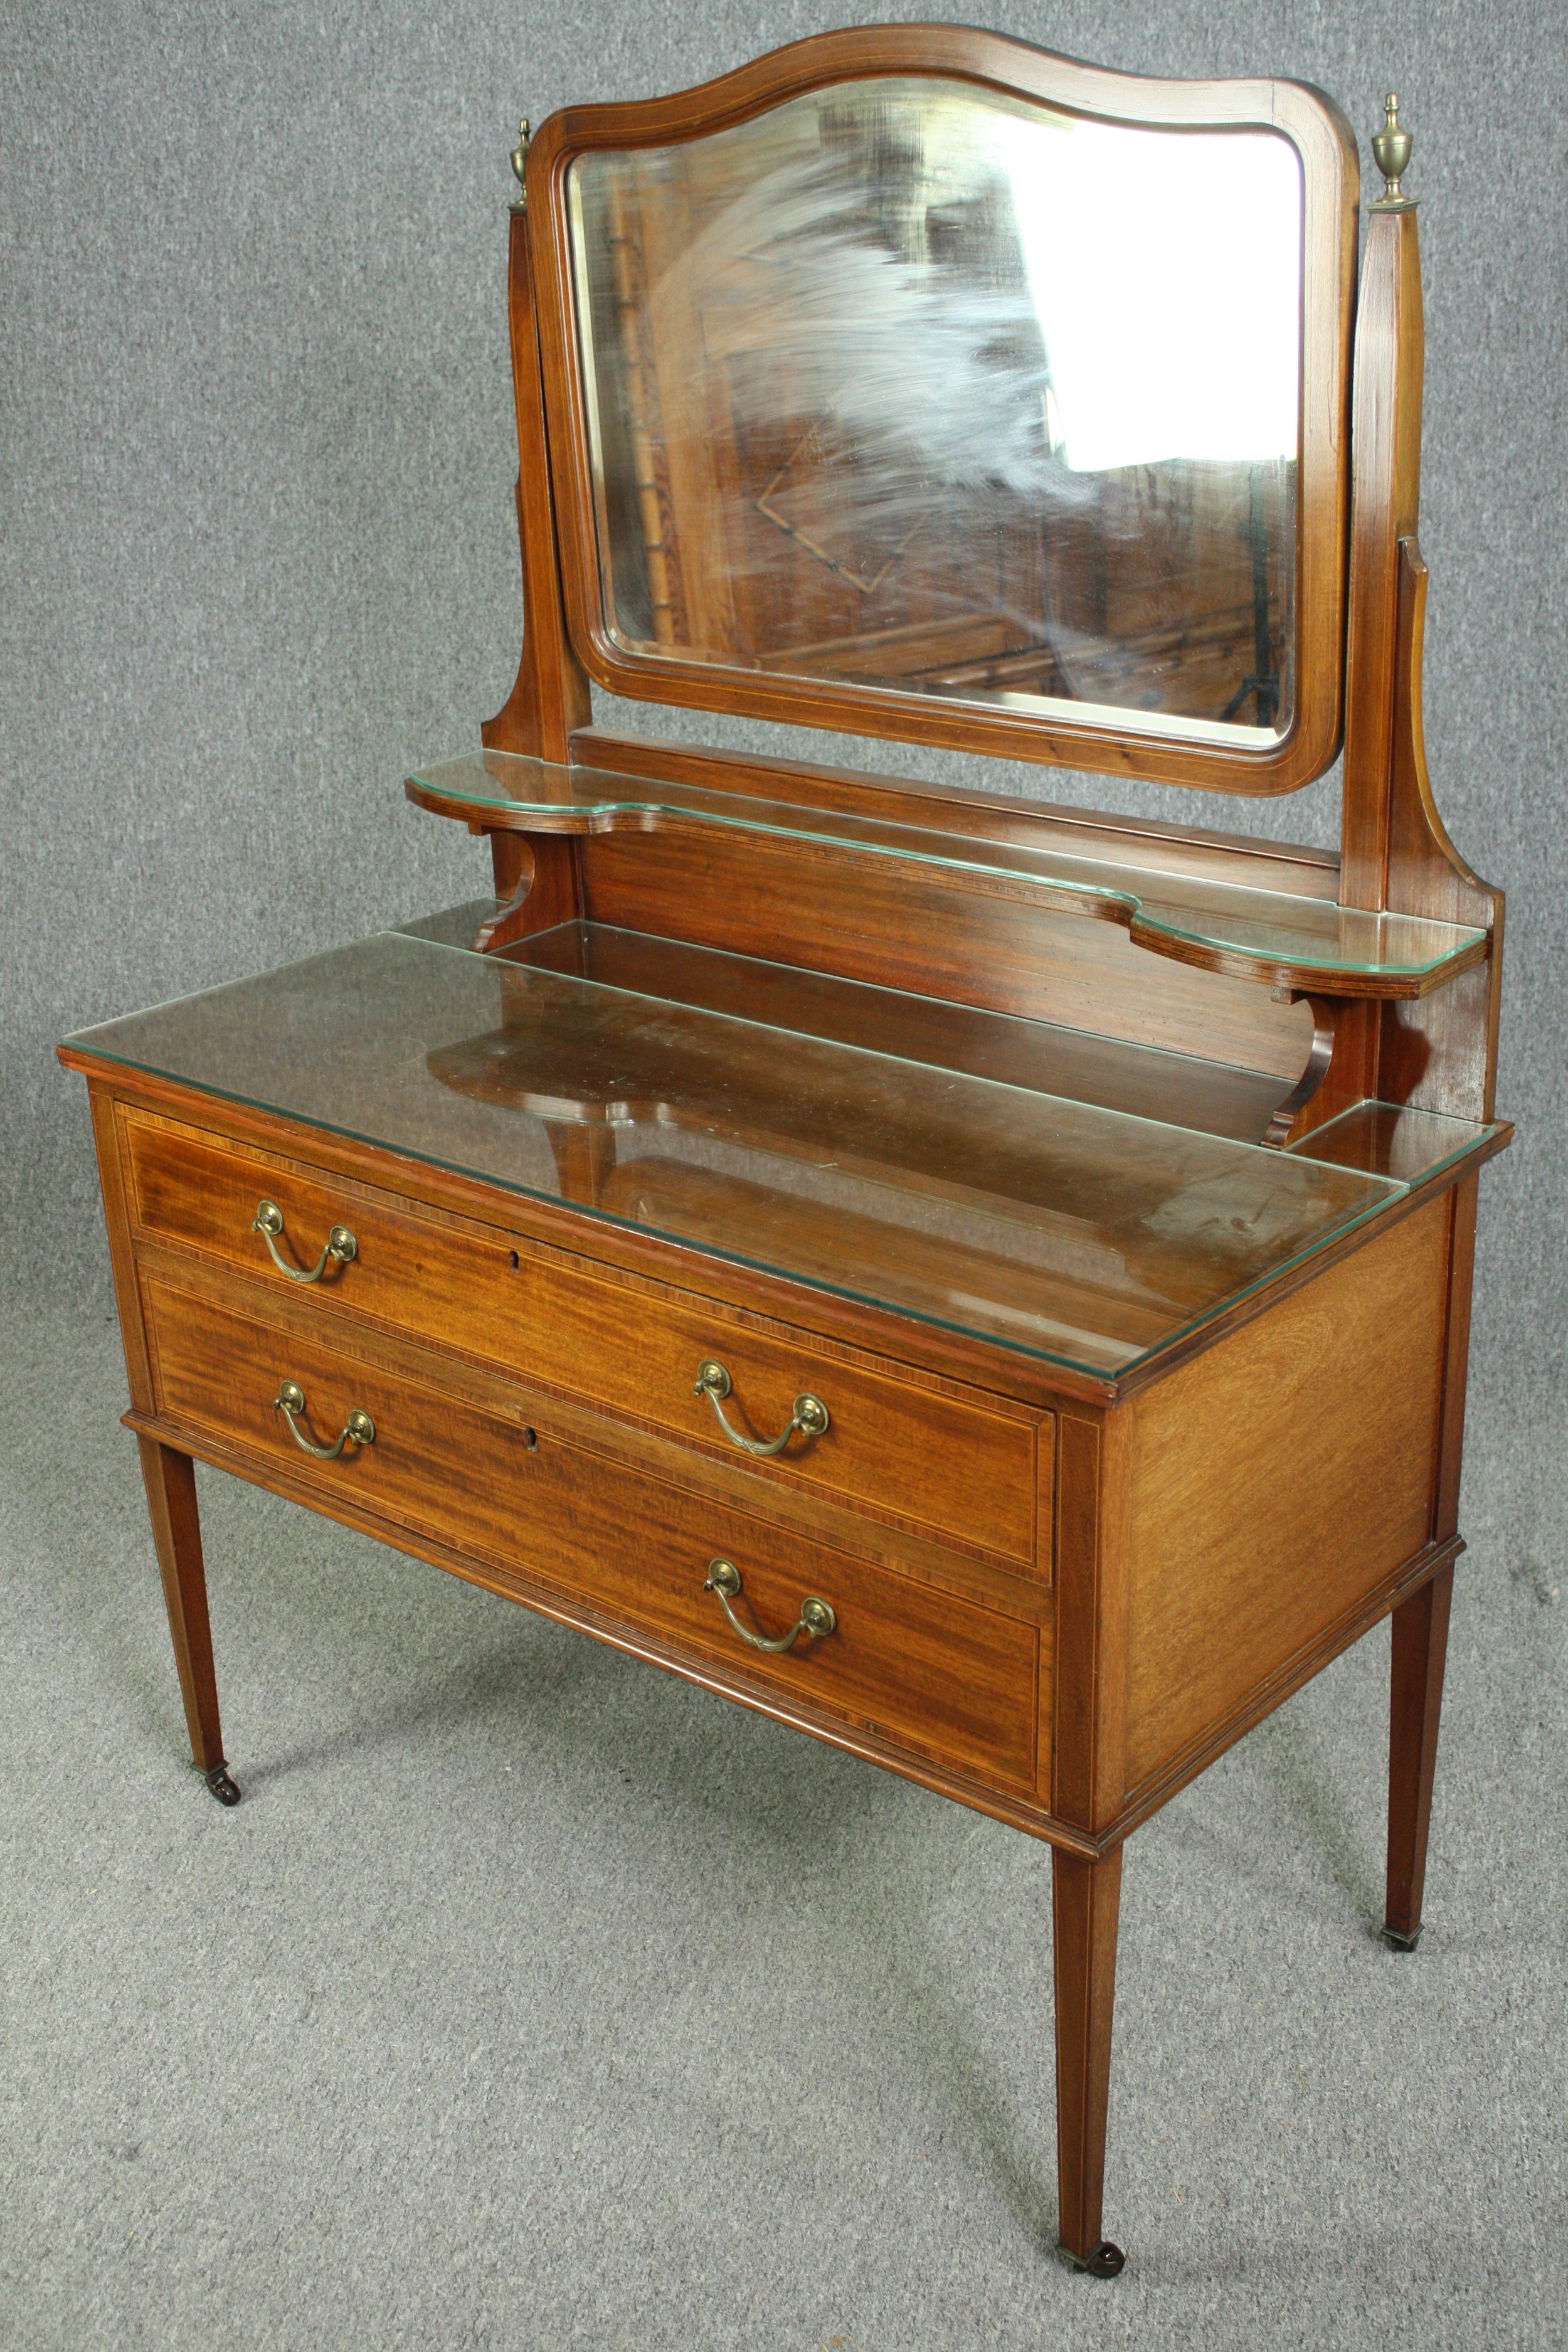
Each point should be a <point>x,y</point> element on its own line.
<point>1325,1414</point>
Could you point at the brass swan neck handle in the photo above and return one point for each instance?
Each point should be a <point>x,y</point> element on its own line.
<point>808,1415</point>
<point>358,1430</point>
<point>341,1245</point>
<point>816,1619</point>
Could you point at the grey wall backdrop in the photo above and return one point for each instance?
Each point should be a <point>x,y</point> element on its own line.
<point>258,549</point>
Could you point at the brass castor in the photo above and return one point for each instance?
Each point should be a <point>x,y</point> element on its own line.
<point>226,1790</point>
<point>1105,2261</point>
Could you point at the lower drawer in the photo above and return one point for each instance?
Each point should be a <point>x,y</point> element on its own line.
<point>939,1674</point>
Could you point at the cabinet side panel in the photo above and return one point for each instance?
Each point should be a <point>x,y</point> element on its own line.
<point>1277,1478</point>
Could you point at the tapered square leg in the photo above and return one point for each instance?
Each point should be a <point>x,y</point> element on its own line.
<point>170,1481</point>
<point>1086,1896</point>
<point>1420,1648</point>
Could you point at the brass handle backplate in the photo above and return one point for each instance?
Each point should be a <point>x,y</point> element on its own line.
<point>809,1416</point>
<point>358,1430</point>
<point>340,1245</point>
<point>816,1619</point>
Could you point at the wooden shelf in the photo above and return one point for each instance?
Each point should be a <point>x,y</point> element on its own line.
<point>1304,944</point>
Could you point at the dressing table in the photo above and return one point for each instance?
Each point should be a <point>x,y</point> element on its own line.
<point>984,1283</point>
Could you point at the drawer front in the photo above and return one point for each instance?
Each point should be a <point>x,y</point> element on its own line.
<point>959,1467</point>
<point>921,1666</point>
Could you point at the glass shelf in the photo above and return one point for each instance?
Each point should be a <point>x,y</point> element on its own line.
<point>1271,936</point>
<point>1065,1230</point>
<point>1178,1089</point>
<point>1392,1139</point>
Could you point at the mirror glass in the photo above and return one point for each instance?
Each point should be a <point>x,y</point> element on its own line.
<point>914,384</point>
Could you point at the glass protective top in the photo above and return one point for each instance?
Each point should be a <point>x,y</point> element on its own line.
<point>911,382</point>
<point>1060,1228</point>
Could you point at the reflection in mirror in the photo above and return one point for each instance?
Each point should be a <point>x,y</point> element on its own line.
<point>915,384</point>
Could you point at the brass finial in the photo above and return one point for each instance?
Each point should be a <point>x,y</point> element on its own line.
<point>1392,149</point>
<point>520,164</point>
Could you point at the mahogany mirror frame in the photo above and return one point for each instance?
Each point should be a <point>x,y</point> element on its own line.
<point>1326,150</point>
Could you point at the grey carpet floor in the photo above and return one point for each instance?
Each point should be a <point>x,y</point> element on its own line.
<point>533,1999</point>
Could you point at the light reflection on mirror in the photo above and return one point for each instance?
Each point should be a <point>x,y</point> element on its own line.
<point>1170,314</point>
<point>912,385</point>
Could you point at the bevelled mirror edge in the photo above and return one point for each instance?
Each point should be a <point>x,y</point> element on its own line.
<point>1163,750</point>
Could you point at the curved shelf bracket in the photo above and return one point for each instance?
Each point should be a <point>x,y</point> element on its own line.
<point>1288,1120</point>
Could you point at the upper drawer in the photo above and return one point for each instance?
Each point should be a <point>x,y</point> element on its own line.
<point>936,1457</point>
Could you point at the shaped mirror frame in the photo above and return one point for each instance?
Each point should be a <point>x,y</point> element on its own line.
<point>760,182</point>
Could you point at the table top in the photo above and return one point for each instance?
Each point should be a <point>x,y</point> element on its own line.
<point>994,1207</point>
